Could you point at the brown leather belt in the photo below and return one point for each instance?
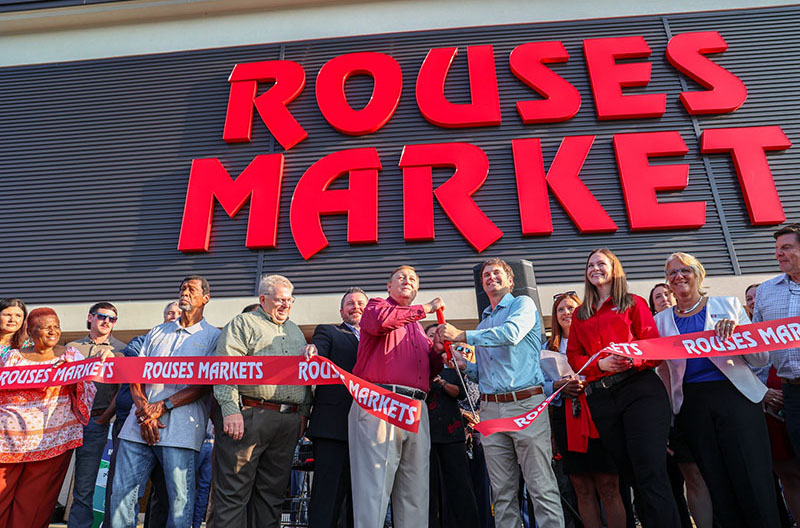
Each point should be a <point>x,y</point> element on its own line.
<point>512,396</point>
<point>263,404</point>
<point>791,381</point>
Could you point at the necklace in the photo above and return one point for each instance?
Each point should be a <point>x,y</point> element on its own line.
<point>684,312</point>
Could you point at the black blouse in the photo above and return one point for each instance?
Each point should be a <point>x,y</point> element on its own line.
<point>443,410</point>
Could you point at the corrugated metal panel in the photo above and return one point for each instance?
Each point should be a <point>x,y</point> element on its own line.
<point>7,6</point>
<point>558,257</point>
<point>763,51</point>
<point>96,158</point>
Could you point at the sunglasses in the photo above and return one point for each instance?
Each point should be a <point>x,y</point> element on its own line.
<point>103,317</point>
<point>565,294</point>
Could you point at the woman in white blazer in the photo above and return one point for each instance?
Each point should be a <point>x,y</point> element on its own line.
<point>717,402</point>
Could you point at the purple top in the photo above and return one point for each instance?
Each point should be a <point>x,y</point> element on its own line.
<point>698,370</point>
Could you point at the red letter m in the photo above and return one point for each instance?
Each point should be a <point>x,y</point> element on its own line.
<point>260,181</point>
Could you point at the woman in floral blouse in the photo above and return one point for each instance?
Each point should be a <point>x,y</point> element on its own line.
<point>39,428</point>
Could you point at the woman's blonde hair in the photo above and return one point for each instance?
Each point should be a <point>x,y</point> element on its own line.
<point>619,287</point>
<point>689,260</point>
<point>556,333</point>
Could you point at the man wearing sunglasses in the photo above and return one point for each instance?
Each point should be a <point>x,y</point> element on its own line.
<point>100,322</point>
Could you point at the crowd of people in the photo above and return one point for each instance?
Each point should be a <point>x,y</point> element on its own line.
<point>704,441</point>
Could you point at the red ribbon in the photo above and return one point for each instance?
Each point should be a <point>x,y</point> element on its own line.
<point>747,339</point>
<point>396,409</point>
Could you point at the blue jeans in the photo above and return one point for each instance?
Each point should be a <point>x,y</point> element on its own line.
<point>203,483</point>
<point>87,464</point>
<point>112,464</point>
<point>135,462</point>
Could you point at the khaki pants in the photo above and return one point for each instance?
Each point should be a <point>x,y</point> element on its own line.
<point>388,461</point>
<point>531,449</point>
<point>253,471</point>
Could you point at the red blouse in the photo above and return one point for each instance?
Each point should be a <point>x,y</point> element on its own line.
<point>608,326</point>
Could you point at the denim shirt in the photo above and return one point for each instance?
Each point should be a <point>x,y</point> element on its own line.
<point>507,343</point>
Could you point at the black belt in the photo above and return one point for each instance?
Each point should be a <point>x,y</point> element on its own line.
<point>405,391</point>
<point>609,381</point>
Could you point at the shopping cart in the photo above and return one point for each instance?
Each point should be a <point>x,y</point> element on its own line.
<point>295,506</point>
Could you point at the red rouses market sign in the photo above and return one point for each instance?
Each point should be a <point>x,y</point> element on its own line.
<point>722,92</point>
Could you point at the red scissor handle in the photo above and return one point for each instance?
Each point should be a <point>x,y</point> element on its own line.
<point>440,320</point>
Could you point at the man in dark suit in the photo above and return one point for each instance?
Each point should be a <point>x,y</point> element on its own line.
<point>328,429</point>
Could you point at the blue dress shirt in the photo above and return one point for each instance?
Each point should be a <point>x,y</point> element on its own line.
<point>124,400</point>
<point>507,344</point>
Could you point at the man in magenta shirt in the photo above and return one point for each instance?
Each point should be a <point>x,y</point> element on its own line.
<point>385,461</point>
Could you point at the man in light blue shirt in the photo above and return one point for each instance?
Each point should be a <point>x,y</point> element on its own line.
<point>779,298</point>
<point>507,344</point>
<point>168,422</point>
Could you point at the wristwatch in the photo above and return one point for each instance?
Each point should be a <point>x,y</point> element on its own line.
<point>168,405</point>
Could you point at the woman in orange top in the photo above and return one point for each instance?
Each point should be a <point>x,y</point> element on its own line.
<point>39,428</point>
<point>628,402</point>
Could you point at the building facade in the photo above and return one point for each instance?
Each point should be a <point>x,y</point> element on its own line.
<point>330,141</point>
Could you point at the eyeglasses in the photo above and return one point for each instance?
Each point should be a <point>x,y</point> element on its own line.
<point>685,271</point>
<point>103,317</point>
<point>287,302</point>
<point>565,294</point>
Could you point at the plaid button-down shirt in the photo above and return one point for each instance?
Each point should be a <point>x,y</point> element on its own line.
<point>257,334</point>
<point>779,298</point>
